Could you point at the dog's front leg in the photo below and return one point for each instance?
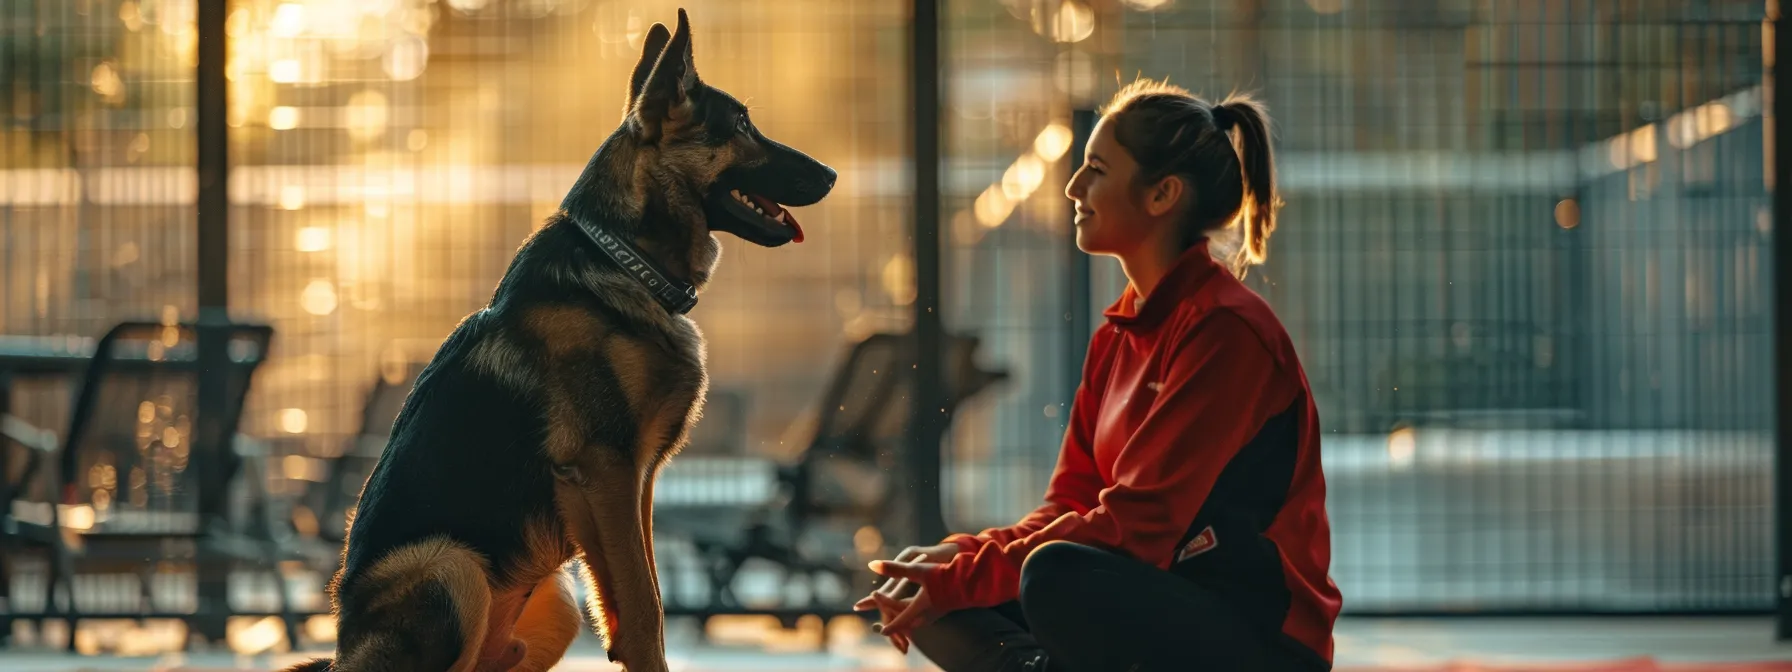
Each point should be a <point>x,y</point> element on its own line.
<point>646,508</point>
<point>605,517</point>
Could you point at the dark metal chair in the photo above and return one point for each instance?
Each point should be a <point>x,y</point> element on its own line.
<point>133,491</point>
<point>841,480</point>
<point>336,496</point>
<point>28,515</point>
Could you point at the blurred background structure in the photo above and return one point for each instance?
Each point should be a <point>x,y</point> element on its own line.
<point>1527,260</point>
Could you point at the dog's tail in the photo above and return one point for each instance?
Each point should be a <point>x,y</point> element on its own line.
<point>313,665</point>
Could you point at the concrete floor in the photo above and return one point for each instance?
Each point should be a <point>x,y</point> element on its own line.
<point>1363,645</point>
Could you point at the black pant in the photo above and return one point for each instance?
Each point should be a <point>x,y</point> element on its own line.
<point>1087,610</point>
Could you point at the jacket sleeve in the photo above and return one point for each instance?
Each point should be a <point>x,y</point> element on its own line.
<point>1221,385</point>
<point>1075,483</point>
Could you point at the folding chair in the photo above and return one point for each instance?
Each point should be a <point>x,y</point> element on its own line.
<point>841,478</point>
<point>133,489</point>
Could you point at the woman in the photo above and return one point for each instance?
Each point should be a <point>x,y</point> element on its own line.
<point>1185,526</point>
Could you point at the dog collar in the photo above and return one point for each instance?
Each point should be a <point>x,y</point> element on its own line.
<point>676,297</point>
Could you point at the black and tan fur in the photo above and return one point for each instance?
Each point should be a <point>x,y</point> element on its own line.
<point>537,432</point>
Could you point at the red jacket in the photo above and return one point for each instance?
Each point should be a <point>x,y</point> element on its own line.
<point>1194,446</point>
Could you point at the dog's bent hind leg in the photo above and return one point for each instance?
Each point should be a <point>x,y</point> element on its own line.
<point>422,607</point>
<point>550,622</point>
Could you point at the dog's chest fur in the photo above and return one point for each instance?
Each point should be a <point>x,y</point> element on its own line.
<point>602,388</point>
<point>628,393</point>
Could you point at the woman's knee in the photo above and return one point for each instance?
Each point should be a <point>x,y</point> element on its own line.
<point>1051,573</point>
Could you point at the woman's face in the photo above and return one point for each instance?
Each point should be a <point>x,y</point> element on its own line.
<point>1114,215</point>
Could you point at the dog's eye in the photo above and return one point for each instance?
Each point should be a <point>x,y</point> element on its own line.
<point>568,473</point>
<point>742,126</point>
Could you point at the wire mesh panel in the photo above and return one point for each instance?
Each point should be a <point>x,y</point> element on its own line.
<point>1524,260</point>
<point>98,148</point>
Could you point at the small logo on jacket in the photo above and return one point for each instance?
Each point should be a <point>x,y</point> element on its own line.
<point>1202,543</point>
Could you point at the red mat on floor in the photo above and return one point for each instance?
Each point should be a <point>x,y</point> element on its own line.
<point>1609,666</point>
<point>1629,665</point>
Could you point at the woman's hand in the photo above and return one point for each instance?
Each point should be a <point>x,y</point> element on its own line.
<point>888,609</point>
<point>900,587</point>
<point>896,590</point>
<point>900,616</point>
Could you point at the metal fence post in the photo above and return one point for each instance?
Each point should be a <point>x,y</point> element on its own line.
<point>211,445</point>
<point>1782,330</point>
<point>926,420</point>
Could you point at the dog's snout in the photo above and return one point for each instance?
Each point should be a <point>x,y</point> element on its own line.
<point>828,175</point>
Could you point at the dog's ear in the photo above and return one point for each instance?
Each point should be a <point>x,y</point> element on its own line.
<point>651,48</point>
<point>666,94</point>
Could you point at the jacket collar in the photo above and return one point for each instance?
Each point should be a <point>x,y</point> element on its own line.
<point>1187,276</point>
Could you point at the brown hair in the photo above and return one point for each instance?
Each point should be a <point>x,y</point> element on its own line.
<point>1221,151</point>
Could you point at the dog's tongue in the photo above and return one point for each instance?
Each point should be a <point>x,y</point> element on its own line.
<point>772,210</point>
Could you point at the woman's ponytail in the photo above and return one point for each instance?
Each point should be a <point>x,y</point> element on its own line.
<point>1257,212</point>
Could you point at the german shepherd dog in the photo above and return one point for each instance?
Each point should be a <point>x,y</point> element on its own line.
<point>536,433</point>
